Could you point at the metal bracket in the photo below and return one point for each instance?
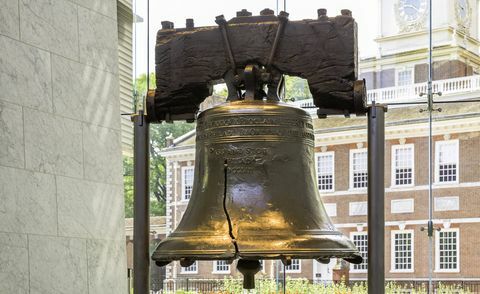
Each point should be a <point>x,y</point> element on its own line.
<point>430,228</point>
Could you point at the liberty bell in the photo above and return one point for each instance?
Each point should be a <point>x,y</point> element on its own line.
<point>254,195</point>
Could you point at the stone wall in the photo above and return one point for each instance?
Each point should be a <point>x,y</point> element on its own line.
<point>61,195</point>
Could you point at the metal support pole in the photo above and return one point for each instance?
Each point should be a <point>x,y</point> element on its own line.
<point>141,225</point>
<point>376,199</point>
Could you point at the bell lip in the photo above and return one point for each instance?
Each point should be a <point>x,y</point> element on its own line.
<point>344,248</point>
<point>350,256</point>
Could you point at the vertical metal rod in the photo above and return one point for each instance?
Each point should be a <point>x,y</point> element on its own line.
<point>430,167</point>
<point>376,199</point>
<point>129,280</point>
<point>148,46</point>
<point>141,226</point>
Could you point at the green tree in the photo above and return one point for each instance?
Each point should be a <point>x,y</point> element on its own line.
<point>128,185</point>
<point>296,88</point>
<point>158,136</point>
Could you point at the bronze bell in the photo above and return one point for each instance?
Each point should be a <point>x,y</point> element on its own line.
<point>255,194</point>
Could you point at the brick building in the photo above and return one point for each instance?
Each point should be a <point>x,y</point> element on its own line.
<point>398,73</point>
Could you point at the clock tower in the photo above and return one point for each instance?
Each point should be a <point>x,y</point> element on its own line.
<point>403,41</point>
<point>404,24</point>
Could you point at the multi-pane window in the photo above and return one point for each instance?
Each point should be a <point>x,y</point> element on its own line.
<point>402,165</point>
<point>360,239</point>
<point>404,77</point>
<point>358,169</point>
<point>187,182</point>
<point>447,250</point>
<point>446,161</point>
<point>402,251</point>
<point>325,171</point>
<point>221,266</point>
<point>294,267</point>
<point>193,269</point>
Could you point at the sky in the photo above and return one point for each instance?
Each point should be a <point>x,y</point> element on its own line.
<point>365,13</point>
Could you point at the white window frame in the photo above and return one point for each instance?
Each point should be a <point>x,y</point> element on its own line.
<point>437,251</point>
<point>365,260</point>
<point>184,270</point>
<point>437,161</point>
<point>217,271</point>
<point>182,181</point>
<point>411,200</point>
<point>294,271</point>
<point>394,168</point>
<point>351,172</point>
<point>392,251</point>
<point>328,153</point>
<point>397,73</point>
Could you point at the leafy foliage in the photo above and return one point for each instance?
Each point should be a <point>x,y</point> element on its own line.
<point>296,88</point>
<point>158,136</point>
<point>303,286</point>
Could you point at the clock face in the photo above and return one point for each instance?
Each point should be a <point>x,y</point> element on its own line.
<point>412,10</point>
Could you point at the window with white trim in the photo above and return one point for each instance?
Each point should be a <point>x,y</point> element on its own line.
<point>402,251</point>
<point>360,239</point>
<point>325,171</point>
<point>404,77</point>
<point>358,169</point>
<point>295,267</point>
<point>447,250</point>
<point>221,266</point>
<point>402,165</point>
<point>446,161</point>
<point>193,269</point>
<point>187,182</point>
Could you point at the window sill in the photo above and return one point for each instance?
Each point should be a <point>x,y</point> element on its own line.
<point>401,186</point>
<point>359,271</point>
<point>445,183</point>
<point>326,191</point>
<point>293,272</point>
<point>221,272</point>
<point>189,273</point>
<point>362,190</point>
<point>446,271</point>
<point>402,271</point>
